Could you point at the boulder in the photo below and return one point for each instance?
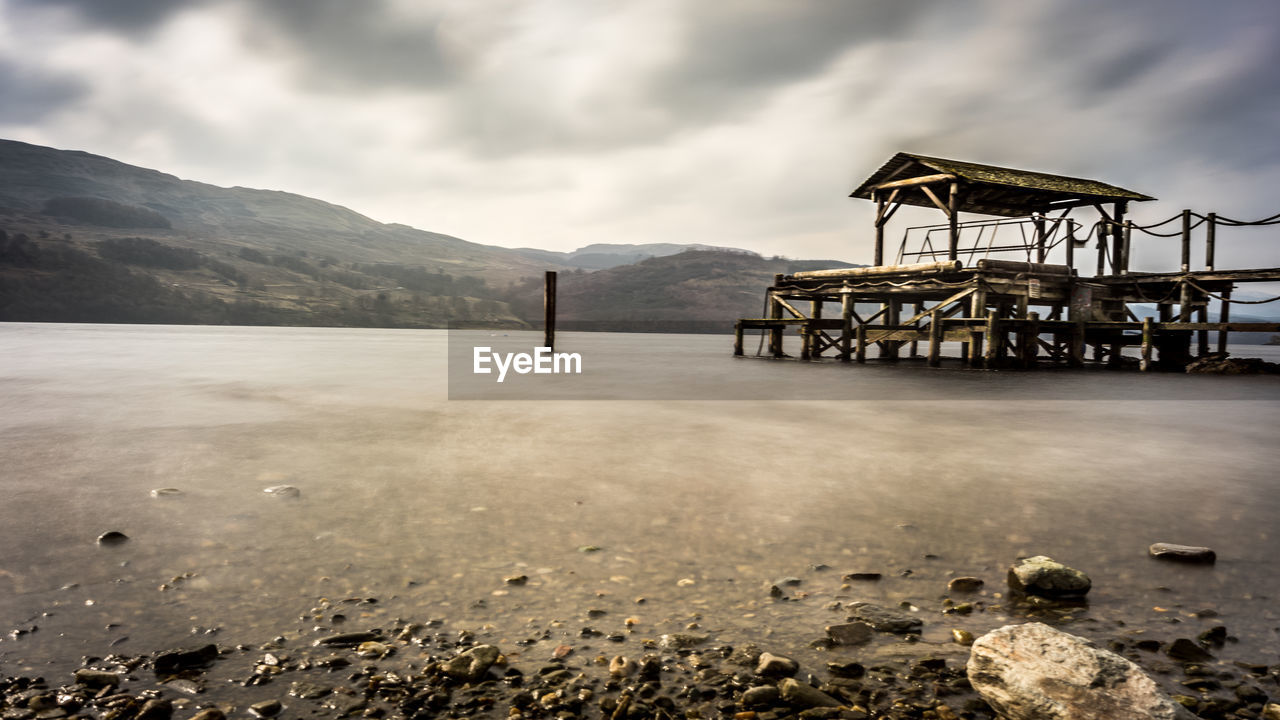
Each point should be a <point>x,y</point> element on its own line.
<point>1222,364</point>
<point>883,619</point>
<point>1045,577</point>
<point>1034,672</point>
<point>1182,553</point>
<point>854,633</point>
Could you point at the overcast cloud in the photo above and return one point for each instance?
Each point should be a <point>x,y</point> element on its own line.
<point>558,123</point>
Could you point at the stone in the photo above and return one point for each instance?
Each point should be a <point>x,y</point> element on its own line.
<point>176,661</point>
<point>350,639</point>
<point>681,641</point>
<point>156,709</point>
<point>862,576</point>
<point>621,666</point>
<point>212,713</point>
<point>760,696</point>
<point>308,691</point>
<point>1034,672</point>
<point>853,633</point>
<point>1187,651</point>
<point>266,708</point>
<point>1221,364</point>
<point>964,585</point>
<point>112,537</point>
<point>961,636</point>
<point>883,619</point>
<point>283,491</point>
<point>1183,553</point>
<point>1045,577</point>
<point>1271,711</point>
<point>472,665</point>
<point>374,649</point>
<point>849,669</point>
<point>800,695</point>
<point>165,492</point>
<point>771,665</point>
<point>97,678</point>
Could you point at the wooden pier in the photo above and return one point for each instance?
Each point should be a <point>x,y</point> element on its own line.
<point>1009,313</point>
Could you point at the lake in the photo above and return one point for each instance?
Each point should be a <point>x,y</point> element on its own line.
<point>668,472</point>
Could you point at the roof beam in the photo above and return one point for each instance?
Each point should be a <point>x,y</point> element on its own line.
<point>912,182</point>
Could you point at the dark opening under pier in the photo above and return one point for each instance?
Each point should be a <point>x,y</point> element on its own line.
<point>944,286</point>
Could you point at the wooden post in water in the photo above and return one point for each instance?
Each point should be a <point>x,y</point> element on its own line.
<point>978,310</point>
<point>1032,348</point>
<point>549,310</point>
<point>775,312</point>
<point>889,348</point>
<point>914,350</point>
<point>846,326</point>
<point>1202,336</point>
<point>1147,336</point>
<point>935,338</point>
<point>1210,239</point>
<point>860,349</point>
<point>1224,316</point>
<point>815,348</point>
<point>737,339</point>
<point>993,340</point>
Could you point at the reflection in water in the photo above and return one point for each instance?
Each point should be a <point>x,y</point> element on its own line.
<point>696,506</point>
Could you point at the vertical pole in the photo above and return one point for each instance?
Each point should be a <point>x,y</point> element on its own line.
<point>1124,254</point>
<point>935,338</point>
<point>1037,222</point>
<point>915,344</point>
<point>815,312</point>
<point>953,222</point>
<point>1071,244</point>
<point>549,311</point>
<point>775,312</point>
<point>1224,316</point>
<point>1076,356</point>
<point>1202,336</point>
<point>1102,250</point>
<point>1033,340</point>
<point>1186,240</point>
<point>846,325</point>
<point>994,343</point>
<point>1184,301</point>
<point>977,309</point>
<point>1117,238</point>
<point>806,342</point>
<point>1210,237</point>
<point>879,229</point>
<point>860,349</point>
<point>1147,336</point>
<point>889,348</point>
<point>737,339</point>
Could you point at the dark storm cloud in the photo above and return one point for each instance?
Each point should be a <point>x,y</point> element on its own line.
<point>31,95</point>
<point>352,46</point>
<point>127,16</point>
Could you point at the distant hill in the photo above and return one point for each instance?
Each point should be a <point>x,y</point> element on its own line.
<point>84,238</point>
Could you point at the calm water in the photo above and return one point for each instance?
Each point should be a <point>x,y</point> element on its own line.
<point>428,503</point>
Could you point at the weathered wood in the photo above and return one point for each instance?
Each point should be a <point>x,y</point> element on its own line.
<point>1186,241</point>
<point>1070,242</point>
<point>1031,348</point>
<point>913,350</point>
<point>1118,238</point>
<point>946,209</point>
<point>549,310</point>
<point>935,338</point>
<point>889,348</point>
<point>953,221</point>
<point>1022,267</point>
<point>860,349</point>
<point>1037,222</point>
<point>1224,316</point>
<point>1148,337</point>
<point>1076,351</point>
<point>815,312</point>
<point>846,327</point>
<point>994,343</point>
<point>737,339</point>
<point>1202,336</point>
<point>911,182</point>
<point>977,309</point>
<point>775,312</point>
<point>806,342</point>
<point>1184,302</point>
<point>1210,239</point>
<point>1102,250</point>
<point>879,225</point>
<point>1127,247</point>
<point>914,269</point>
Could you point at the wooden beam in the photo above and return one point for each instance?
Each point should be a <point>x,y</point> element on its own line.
<point>879,253</point>
<point>941,205</point>
<point>912,182</point>
<point>1186,241</point>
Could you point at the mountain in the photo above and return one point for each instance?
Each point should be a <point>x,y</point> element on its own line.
<point>84,238</point>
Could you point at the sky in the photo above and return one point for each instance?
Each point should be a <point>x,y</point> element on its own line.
<point>745,123</point>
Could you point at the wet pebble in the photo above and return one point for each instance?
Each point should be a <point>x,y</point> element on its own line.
<point>112,537</point>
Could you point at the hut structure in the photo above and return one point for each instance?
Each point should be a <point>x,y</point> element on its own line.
<point>1019,309</point>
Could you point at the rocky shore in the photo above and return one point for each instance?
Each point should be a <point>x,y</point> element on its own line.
<point>1046,660</point>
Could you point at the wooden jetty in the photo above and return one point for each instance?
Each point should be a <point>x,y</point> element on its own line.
<point>1009,312</point>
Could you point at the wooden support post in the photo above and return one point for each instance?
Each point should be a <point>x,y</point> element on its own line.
<point>815,312</point>
<point>993,339</point>
<point>879,222</point>
<point>1148,335</point>
<point>1037,222</point>
<point>935,338</point>
<point>977,309</point>
<point>1224,316</point>
<point>860,344</point>
<point>889,348</point>
<point>1184,301</point>
<point>1126,247</point>
<point>1186,241</point>
<point>1032,348</point>
<point>914,350</point>
<point>1202,336</point>
<point>846,326</point>
<point>1071,244</point>
<point>1076,354</point>
<point>806,342</point>
<point>1102,251</point>
<point>549,310</point>
<point>1117,238</point>
<point>1210,239</point>
<point>737,339</point>
<point>953,221</point>
<point>775,312</point>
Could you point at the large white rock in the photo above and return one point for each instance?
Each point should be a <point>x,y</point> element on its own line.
<point>1034,672</point>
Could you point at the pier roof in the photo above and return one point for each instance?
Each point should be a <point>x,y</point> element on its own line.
<point>988,189</point>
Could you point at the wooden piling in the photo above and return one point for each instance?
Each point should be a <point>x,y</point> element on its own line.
<point>775,312</point>
<point>1224,316</point>
<point>994,342</point>
<point>815,312</point>
<point>1071,244</point>
<point>1148,335</point>
<point>1210,239</point>
<point>935,338</point>
<point>1202,336</point>
<point>549,310</point>
<point>860,343</point>
<point>1186,241</point>
<point>737,339</point>
<point>1032,348</point>
<point>846,326</point>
